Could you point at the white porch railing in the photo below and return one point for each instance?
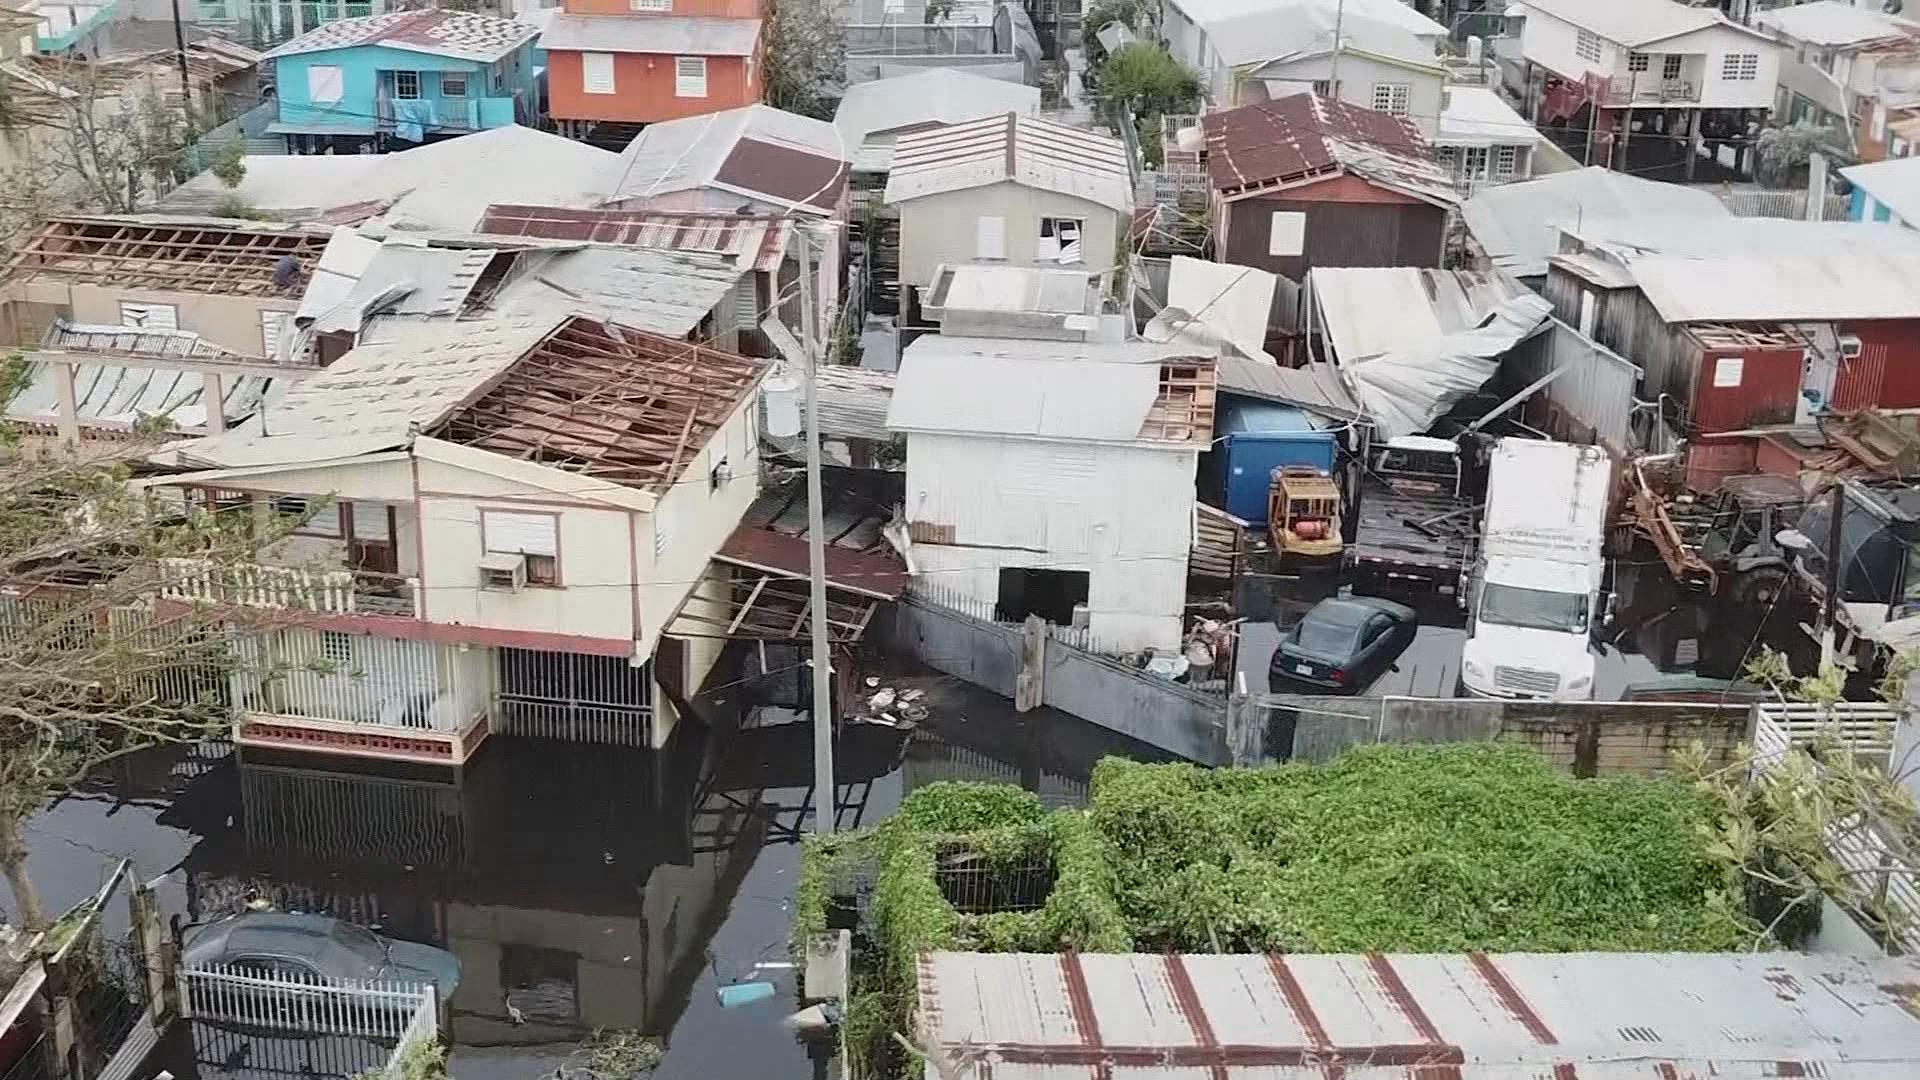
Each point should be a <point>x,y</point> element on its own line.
<point>1882,868</point>
<point>308,1004</point>
<point>424,1027</point>
<point>364,679</point>
<point>343,592</point>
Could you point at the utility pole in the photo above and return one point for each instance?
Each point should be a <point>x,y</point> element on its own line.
<point>180,54</point>
<point>1333,76</point>
<point>824,808</point>
<point>1835,535</point>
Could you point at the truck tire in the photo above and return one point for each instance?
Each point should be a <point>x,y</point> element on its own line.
<point>1759,587</point>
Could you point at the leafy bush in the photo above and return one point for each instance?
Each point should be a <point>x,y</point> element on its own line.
<point>952,806</point>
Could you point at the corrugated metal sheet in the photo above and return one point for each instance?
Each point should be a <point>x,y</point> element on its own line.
<point>1520,1016</point>
<point>948,392</point>
<point>668,35</point>
<point>1035,153</point>
<point>463,34</point>
<point>1369,311</point>
<point>1832,22</point>
<point>939,96</point>
<point>1808,288</point>
<point>759,239</point>
<point>1596,394</point>
<point>1517,225</point>
<point>1894,182</point>
<point>1315,387</point>
<point>664,292</point>
<point>1275,143</point>
<point>703,151</point>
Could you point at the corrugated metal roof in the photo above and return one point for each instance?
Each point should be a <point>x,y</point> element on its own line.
<point>1518,225</point>
<point>1474,1016</point>
<point>1290,29</point>
<point>1022,149</point>
<point>469,36</point>
<point>116,395</point>
<point>923,99</point>
<point>1210,13</point>
<point>1369,311</point>
<point>758,241</point>
<point>1830,22</point>
<point>1702,238</point>
<point>662,292</point>
<point>1809,288</point>
<point>1477,116</point>
<point>1633,22</point>
<point>1316,387</point>
<point>1016,289</point>
<point>1894,182</point>
<point>1255,148</point>
<point>755,151</point>
<point>667,35</point>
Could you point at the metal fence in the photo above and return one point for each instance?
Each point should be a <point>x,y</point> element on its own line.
<point>592,699</point>
<point>290,1001</point>
<point>1791,205</point>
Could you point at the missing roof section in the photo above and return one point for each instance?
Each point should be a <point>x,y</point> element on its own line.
<point>187,255</point>
<point>630,407</point>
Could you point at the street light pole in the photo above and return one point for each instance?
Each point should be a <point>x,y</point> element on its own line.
<point>824,809</point>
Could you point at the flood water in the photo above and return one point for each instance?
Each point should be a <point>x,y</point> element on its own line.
<point>582,887</point>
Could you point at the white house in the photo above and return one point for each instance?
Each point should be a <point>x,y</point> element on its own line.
<point>1852,70</point>
<point>1008,189</point>
<point>497,523</point>
<point>1482,140</point>
<point>1055,478</point>
<point>1681,69</point>
<point>871,115</point>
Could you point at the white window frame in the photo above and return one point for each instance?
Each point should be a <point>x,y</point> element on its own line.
<point>454,76</point>
<point>325,79</point>
<point>1639,61</point>
<point>1287,233</point>
<point>272,325</point>
<point>1672,66</point>
<point>1506,161</point>
<point>990,238</point>
<point>1586,46</point>
<point>528,534</point>
<point>593,65</point>
<point>1473,162</point>
<point>400,86</point>
<point>149,316</point>
<point>1739,67</point>
<point>689,76</point>
<point>1054,245</point>
<point>325,520</point>
<point>1392,98</point>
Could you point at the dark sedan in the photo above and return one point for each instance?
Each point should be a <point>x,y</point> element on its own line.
<point>1342,645</point>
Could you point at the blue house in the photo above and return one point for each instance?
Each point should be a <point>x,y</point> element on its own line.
<point>1885,191</point>
<point>401,79</point>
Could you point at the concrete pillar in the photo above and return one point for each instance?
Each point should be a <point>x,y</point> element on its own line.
<point>68,422</point>
<point>1693,140</point>
<point>213,396</point>
<point>1030,683</point>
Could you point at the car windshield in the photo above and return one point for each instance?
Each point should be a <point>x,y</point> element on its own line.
<point>358,940</point>
<point>1331,636</point>
<point>1533,609</point>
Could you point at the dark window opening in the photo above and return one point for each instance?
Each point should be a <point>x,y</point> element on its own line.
<point>542,984</point>
<point>1050,594</point>
<point>976,884</point>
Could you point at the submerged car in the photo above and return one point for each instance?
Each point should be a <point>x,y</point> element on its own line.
<point>1342,645</point>
<point>316,949</point>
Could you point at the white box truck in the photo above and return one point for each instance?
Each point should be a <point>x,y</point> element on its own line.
<point>1537,588</point>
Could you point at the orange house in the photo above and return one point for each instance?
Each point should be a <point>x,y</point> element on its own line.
<point>643,61</point>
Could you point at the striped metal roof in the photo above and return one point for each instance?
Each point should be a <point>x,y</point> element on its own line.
<point>1010,147</point>
<point>1471,1016</point>
<point>760,238</point>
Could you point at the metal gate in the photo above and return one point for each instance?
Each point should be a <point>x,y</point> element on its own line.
<point>1858,384</point>
<point>576,698</point>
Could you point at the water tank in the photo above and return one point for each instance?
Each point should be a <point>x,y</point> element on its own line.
<point>1474,47</point>
<point>781,393</point>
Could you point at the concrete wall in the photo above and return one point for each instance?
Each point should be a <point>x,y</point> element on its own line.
<point>1596,738</point>
<point>944,228</point>
<point>231,322</point>
<point>1152,710</point>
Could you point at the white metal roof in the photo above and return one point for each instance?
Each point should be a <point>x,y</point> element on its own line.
<point>1477,116</point>
<point>372,398</point>
<point>1636,22</point>
<point>663,292</point>
<point>462,34</point>
<point>1368,311</point>
<point>935,96</point>
<point>668,35</point>
<point>1027,151</point>
<point>1020,289</point>
<point>1701,238</point>
<point>1814,287</point>
<point>1894,182</point>
<point>1830,22</point>
<point>693,153</point>
<point>1293,28</point>
<point>1518,225</point>
<point>1512,1016</point>
<point>1210,13</point>
<point>1029,389</point>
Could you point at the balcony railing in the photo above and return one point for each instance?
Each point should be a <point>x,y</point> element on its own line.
<point>332,592</point>
<point>1621,93</point>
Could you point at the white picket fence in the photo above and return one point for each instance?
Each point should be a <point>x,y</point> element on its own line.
<point>305,1003</point>
<point>1880,868</point>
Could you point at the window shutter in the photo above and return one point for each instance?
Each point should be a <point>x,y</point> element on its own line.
<point>746,304</point>
<point>272,325</point>
<point>662,535</point>
<point>990,238</point>
<point>150,316</point>
<point>596,72</point>
<point>326,85</point>
<point>1289,233</point>
<point>690,76</point>
<point>510,533</point>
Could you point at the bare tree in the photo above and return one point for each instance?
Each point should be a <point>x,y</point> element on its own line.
<point>806,58</point>
<point>92,664</point>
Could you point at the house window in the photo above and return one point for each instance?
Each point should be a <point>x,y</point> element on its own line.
<point>453,85</point>
<point>1637,61</point>
<point>406,85</point>
<point>1060,240</point>
<point>990,238</point>
<point>1898,148</point>
<point>1448,157</point>
<point>1740,67</point>
<point>1287,233</point>
<point>534,537</point>
<point>315,517</point>
<point>336,646</point>
<point>650,5</point>
<point>596,72</point>
<point>1391,98</point>
<point>689,76</point>
<point>1323,87</point>
<point>1475,162</point>
<point>1587,46</point>
<point>272,325</point>
<point>326,84</point>
<point>1877,133</point>
<point>150,316</point>
<point>1670,66</point>
<point>1506,161</point>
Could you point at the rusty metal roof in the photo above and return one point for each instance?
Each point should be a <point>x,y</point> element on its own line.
<point>1306,137</point>
<point>1473,1016</point>
<point>757,238</point>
